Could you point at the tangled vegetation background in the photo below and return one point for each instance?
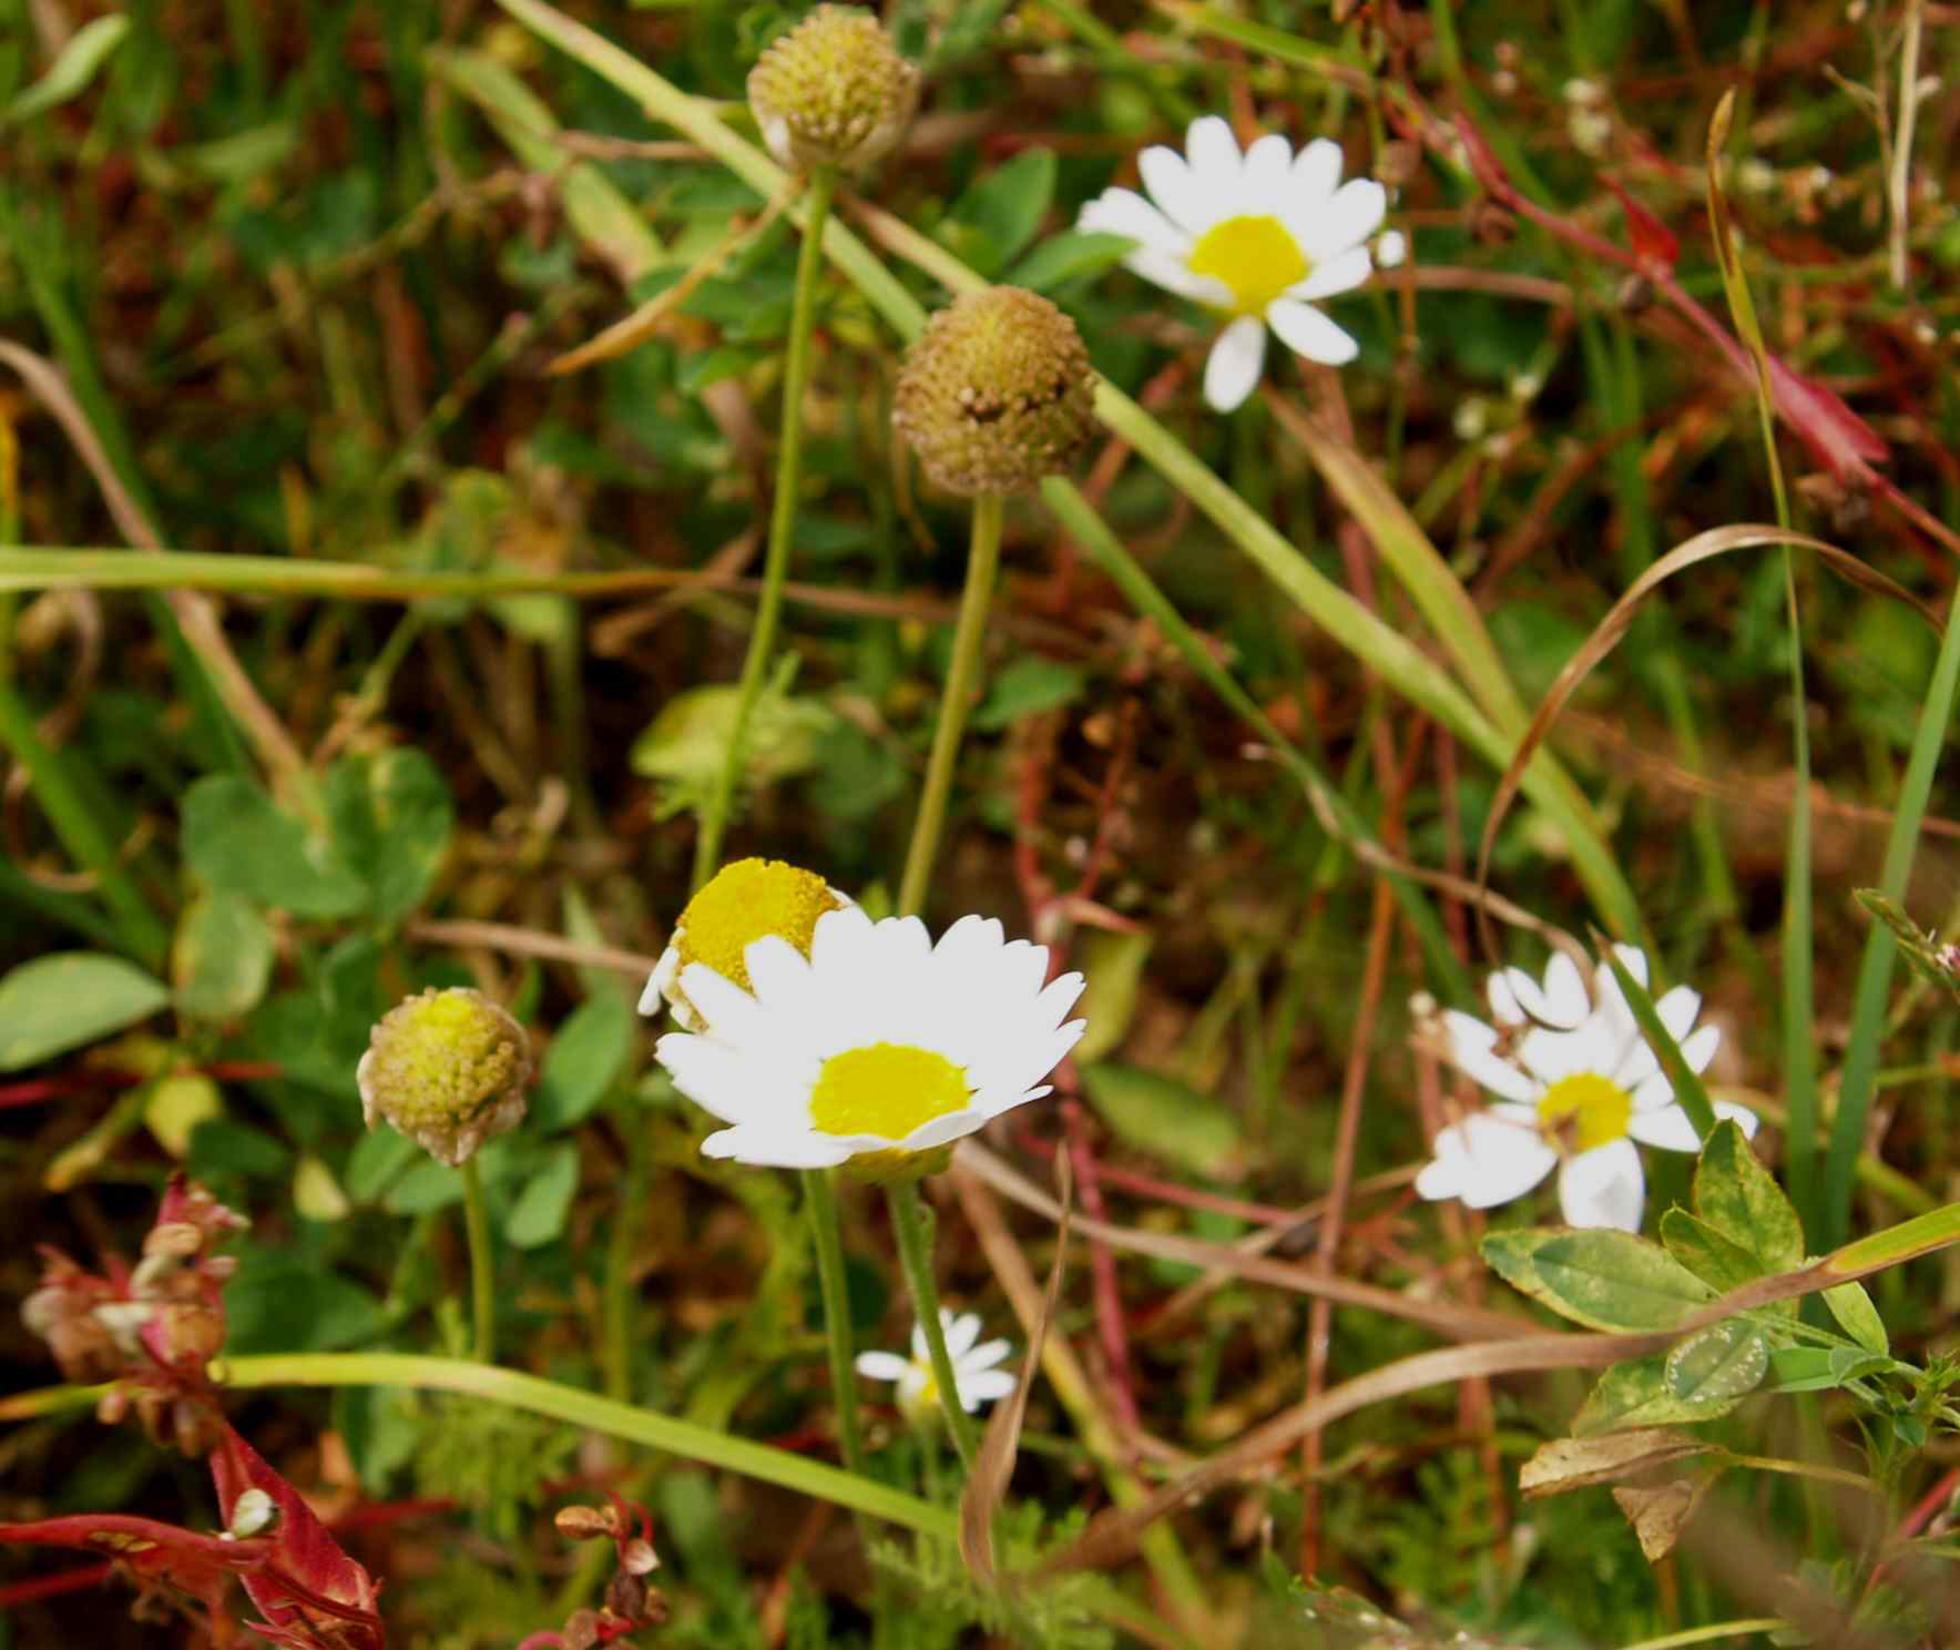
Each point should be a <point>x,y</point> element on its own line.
<point>389,434</point>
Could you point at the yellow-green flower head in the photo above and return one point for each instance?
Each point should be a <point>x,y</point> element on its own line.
<point>833,92</point>
<point>447,1068</point>
<point>745,901</point>
<point>996,393</point>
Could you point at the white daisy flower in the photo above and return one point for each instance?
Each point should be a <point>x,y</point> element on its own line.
<point>743,901</point>
<point>1258,235</point>
<point>975,1377</point>
<point>876,1041</point>
<point>1577,1085</point>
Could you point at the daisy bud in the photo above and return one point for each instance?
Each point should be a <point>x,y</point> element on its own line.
<point>833,92</point>
<point>996,393</point>
<point>745,901</point>
<point>447,1068</point>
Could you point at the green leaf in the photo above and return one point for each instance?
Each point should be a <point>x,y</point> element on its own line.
<point>284,1303</point>
<point>584,1060</point>
<point>999,215</point>
<point>1112,966</point>
<point>178,1106</point>
<point>1072,255</point>
<point>70,73</point>
<point>69,1000</point>
<point>237,841</point>
<point>1636,1394</point>
<point>392,819</point>
<point>1857,1317</point>
<point>1165,1118</point>
<point>378,1159</point>
<point>1822,1368</point>
<point>1740,1198</point>
<point>539,1213</point>
<point>1726,1360</point>
<point>222,957</point>
<point>1601,1278</point>
<point>423,1188</point>
<point>1689,1090</point>
<point>1716,1259</point>
<point>225,1146</point>
<point>1027,686</point>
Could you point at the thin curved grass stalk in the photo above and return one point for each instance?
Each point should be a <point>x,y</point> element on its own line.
<point>1401,665</point>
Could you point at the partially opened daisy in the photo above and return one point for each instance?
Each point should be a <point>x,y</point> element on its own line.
<point>1577,1084</point>
<point>1258,235</point>
<point>976,1378</point>
<point>876,1042</point>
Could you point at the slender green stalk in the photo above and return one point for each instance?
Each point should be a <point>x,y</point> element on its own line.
<point>1712,1634</point>
<point>782,525</point>
<point>962,681</point>
<point>1881,948</point>
<point>483,1270</point>
<point>820,1197</point>
<point>912,1226</point>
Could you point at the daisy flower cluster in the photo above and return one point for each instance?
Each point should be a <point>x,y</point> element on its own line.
<point>1578,1089</point>
<point>1259,235</point>
<point>976,1376</point>
<point>818,1035</point>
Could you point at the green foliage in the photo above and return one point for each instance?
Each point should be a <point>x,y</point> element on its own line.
<point>67,1001</point>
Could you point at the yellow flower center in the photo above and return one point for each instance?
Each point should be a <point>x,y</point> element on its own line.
<point>1255,256</point>
<point>747,901</point>
<point>1585,1110</point>
<point>886,1089</point>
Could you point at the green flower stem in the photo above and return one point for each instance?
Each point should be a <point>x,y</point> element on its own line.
<point>782,524</point>
<point>483,1271</point>
<point>912,1226</point>
<point>820,1197</point>
<point>962,680</point>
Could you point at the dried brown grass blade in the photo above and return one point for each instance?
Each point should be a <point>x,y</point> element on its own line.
<point>993,1467</point>
<point>1611,630</point>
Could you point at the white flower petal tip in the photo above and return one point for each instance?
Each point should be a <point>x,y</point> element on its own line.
<point>1576,1087</point>
<point>1391,249</point>
<point>878,1045</point>
<point>976,1378</point>
<point>1257,234</point>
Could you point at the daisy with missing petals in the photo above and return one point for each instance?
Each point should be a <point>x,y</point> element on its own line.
<point>1257,235</point>
<point>877,1042</point>
<point>976,1380</point>
<point>1577,1084</point>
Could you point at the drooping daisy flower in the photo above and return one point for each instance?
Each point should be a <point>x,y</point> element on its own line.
<point>1257,235</point>
<point>975,1377</point>
<point>876,1041</point>
<point>740,904</point>
<point>1577,1085</point>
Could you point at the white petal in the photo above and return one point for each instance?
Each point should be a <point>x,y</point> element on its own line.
<point>1742,1116</point>
<point>1603,1187</point>
<point>962,1331</point>
<point>1349,219</point>
<point>1236,358</point>
<point>984,1356</point>
<point>882,1366</point>
<point>1176,190</point>
<point>1125,212</point>
<point>712,1074</point>
<point>1305,331</point>
<point>1341,273</point>
<point>1213,152</point>
<point>1316,174</point>
<point>776,1148</point>
<point>1391,249</point>
<point>1666,1127</point>
<point>1169,271</point>
<point>729,1011</point>
<point>1471,1051</point>
<point>1263,180</point>
<point>1486,1160</point>
<point>984,1388</point>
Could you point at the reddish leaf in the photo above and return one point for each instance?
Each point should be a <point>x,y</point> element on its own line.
<point>1653,242</point>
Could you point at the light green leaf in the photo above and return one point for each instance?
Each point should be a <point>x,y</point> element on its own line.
<point>1069,256</point>
<point>1723,1361</point>
<point>69,1000</point>
<point>177,1106</point>
<point>222,957</point>
<point>1026,686</point>
<point>1857,1317</point>
<point>999,215</point>
<point>70,73</point>
<point>1164,1118</point>
<point>1636,1394</point>
<point>1822,1368</point>
<point>539,1213</point>
<point>1603,1279</point>
<point>392,819</point>
<point>1112,966</point>
<point>237,841</point>
<point>584,1060</point>
<point>1740,1198</point>
<point>1713,1257</point>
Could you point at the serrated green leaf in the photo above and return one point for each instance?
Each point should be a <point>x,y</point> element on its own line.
<point>1601,1278</point>
<point>1857,1317</point>
<point>221,959</point>
<point>1726,1360</point>
<point>69,1000</point>
<point>237,841</point>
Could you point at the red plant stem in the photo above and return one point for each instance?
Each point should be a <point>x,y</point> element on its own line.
<point>36,1588</point>
<point>1169,1191</point>
<point>37,1090</point>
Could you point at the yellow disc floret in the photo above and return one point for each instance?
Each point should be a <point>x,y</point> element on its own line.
<point>1585,1110</point>
<point>885,1089</point>
<point>747,901</point>
<point>448,1069</point>
<point>1255,256</point>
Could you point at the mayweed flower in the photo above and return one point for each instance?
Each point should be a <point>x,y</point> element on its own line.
<point>876,1044</point>
<point>833,91</point>
<point>1578,1084</point>
<point>996,393</point>
<point>975,1378</point>
<point>741,903</point>
<point>1258,236</point>
<point>449,1069</point>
